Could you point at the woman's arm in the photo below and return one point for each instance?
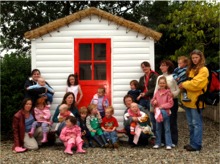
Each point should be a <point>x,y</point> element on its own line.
<point>55,119</point>
<point>81,95</point>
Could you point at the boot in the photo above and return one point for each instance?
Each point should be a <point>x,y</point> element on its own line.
<point>185,98</point>
<point>91,143</point>
<point>79,148</point>
<point>104,140</point>
<point>96,138</point>
<point>44,138</point>
<point>68,149</point>
<point>31,133</point>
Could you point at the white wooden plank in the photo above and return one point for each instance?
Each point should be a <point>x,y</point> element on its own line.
<point>54,64</point>
<point>62,57</point>
<point>132,51</point>
<point>133,69</point>
<point>59,45</point>
<point>130,45</point>
<point>56,75</point>
<point>143,57</point>
<point>54,52</point>
<point>56,69</point>
<point>127,63</point>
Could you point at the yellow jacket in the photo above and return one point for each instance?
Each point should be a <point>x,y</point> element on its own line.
<point>194,87</point>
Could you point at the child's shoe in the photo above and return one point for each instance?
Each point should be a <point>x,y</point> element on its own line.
<point>185,98</point>
<point>31,133</point>
<point>44,138</point>
<point>168,147</point>
<point>19,149</point>
<point>115,145</point>
<point>68,149</point>
<point>156,147</point>
<point>79,148</point>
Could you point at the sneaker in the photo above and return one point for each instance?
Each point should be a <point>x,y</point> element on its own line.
<point>186,146</point>
<point>156,146</point>
<point>20,149</point>
<point>190,148</point>
<point>168,147</point>
<point>173,145</point>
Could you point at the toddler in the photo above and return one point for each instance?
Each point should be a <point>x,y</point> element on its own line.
<point>101,101</point>
<point>85,131</point>
<point>49,91</point>
<point>134,111</point>
<point>179,75</point>
<point>109,125</point>
<point>63,114</point>
<point>162,102</point>
<point>93,121</point>
<point>71,136</point>
<point>42,115</point>
<point>134,92</point>
<point>74,87</point>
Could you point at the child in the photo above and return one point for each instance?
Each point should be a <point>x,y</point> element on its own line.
<point>49,91</point>
<point>85,131</point>
<point>100,100</point>
<point>179,75</point>
<point>134,111</point>
<point>134,92</point>
<point>162,102</point>
<point>109,125</point>
<point>42,115</point>
<point>93,121</point>
<point>71,136</point>
<point>63,114</point>
<point>74,87</point>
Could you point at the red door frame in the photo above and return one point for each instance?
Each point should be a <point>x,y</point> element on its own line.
<point>106,83</point>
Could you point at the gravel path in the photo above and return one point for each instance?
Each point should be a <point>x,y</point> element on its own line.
<point>210,153</point>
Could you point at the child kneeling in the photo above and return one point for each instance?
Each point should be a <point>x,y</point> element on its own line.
<point>71,136</point>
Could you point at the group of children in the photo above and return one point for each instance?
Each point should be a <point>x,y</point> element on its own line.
<point>97,122</point>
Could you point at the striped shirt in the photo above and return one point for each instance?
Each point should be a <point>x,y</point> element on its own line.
<point>181,74</point>
<point>28,123</point>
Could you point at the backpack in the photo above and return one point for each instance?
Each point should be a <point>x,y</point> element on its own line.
<point>212,94</point>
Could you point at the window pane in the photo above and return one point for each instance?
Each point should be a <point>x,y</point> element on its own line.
<point>85,51</point>
<point>85,71</point>
<point>100,71</point>
<point>100,51</point>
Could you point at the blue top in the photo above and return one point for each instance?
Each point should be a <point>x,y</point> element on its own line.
<point>38,86</point>
<point>181,74</point>
<point>28,123</point>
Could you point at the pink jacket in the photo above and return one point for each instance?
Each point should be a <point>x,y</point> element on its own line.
<point>45,113</point>
<point>164,99</point>
<point>72,132</point>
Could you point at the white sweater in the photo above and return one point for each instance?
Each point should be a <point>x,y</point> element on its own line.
<point>171,83</point>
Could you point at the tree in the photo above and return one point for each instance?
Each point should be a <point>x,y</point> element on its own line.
<point>20,17</point>
<point>14,71</point>
<point>195,26</point>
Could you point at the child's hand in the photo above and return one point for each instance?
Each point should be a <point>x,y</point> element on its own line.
<point>83,133</point>
<point>41,116</point>
<point>138,98</point>
<point>93,130</point>
<point>98,113</point>
<point>155,102</point>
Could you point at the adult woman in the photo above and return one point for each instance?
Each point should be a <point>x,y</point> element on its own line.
<point>198,75</point>
<point>167,68</point>
<point>69,100</point>
<point>147,84</point>
<point>143,139</point>
<point>22,122</point>
<point>34,94</point>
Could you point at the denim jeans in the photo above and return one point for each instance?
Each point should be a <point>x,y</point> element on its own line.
<point>194,119</point>
<point>111,136</point>
<point>145,103</point>
<point>173,121</point>
<point>166,123</point>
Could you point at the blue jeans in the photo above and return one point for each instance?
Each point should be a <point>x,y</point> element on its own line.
<point>145,103</point>
<point>111,136</point>
<point>166,123</point>
<point>194,119</point>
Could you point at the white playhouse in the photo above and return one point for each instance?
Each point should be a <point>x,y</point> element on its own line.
<point>102,48</point>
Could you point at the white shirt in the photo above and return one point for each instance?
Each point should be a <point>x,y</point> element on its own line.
<point>74,89</point>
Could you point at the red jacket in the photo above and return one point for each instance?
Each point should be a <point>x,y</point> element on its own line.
<point>18,126</point>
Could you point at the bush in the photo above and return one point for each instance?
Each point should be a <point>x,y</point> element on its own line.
<point>15,69</point>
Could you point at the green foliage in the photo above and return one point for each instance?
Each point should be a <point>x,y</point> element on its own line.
<point>14,71</point>
<point>195,26</point>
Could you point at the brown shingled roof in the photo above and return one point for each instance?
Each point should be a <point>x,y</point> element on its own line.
<point>38,32</point>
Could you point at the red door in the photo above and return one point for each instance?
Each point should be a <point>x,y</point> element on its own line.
<point>92,61</point>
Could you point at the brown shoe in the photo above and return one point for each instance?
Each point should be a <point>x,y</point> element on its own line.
<point>115,145</point>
